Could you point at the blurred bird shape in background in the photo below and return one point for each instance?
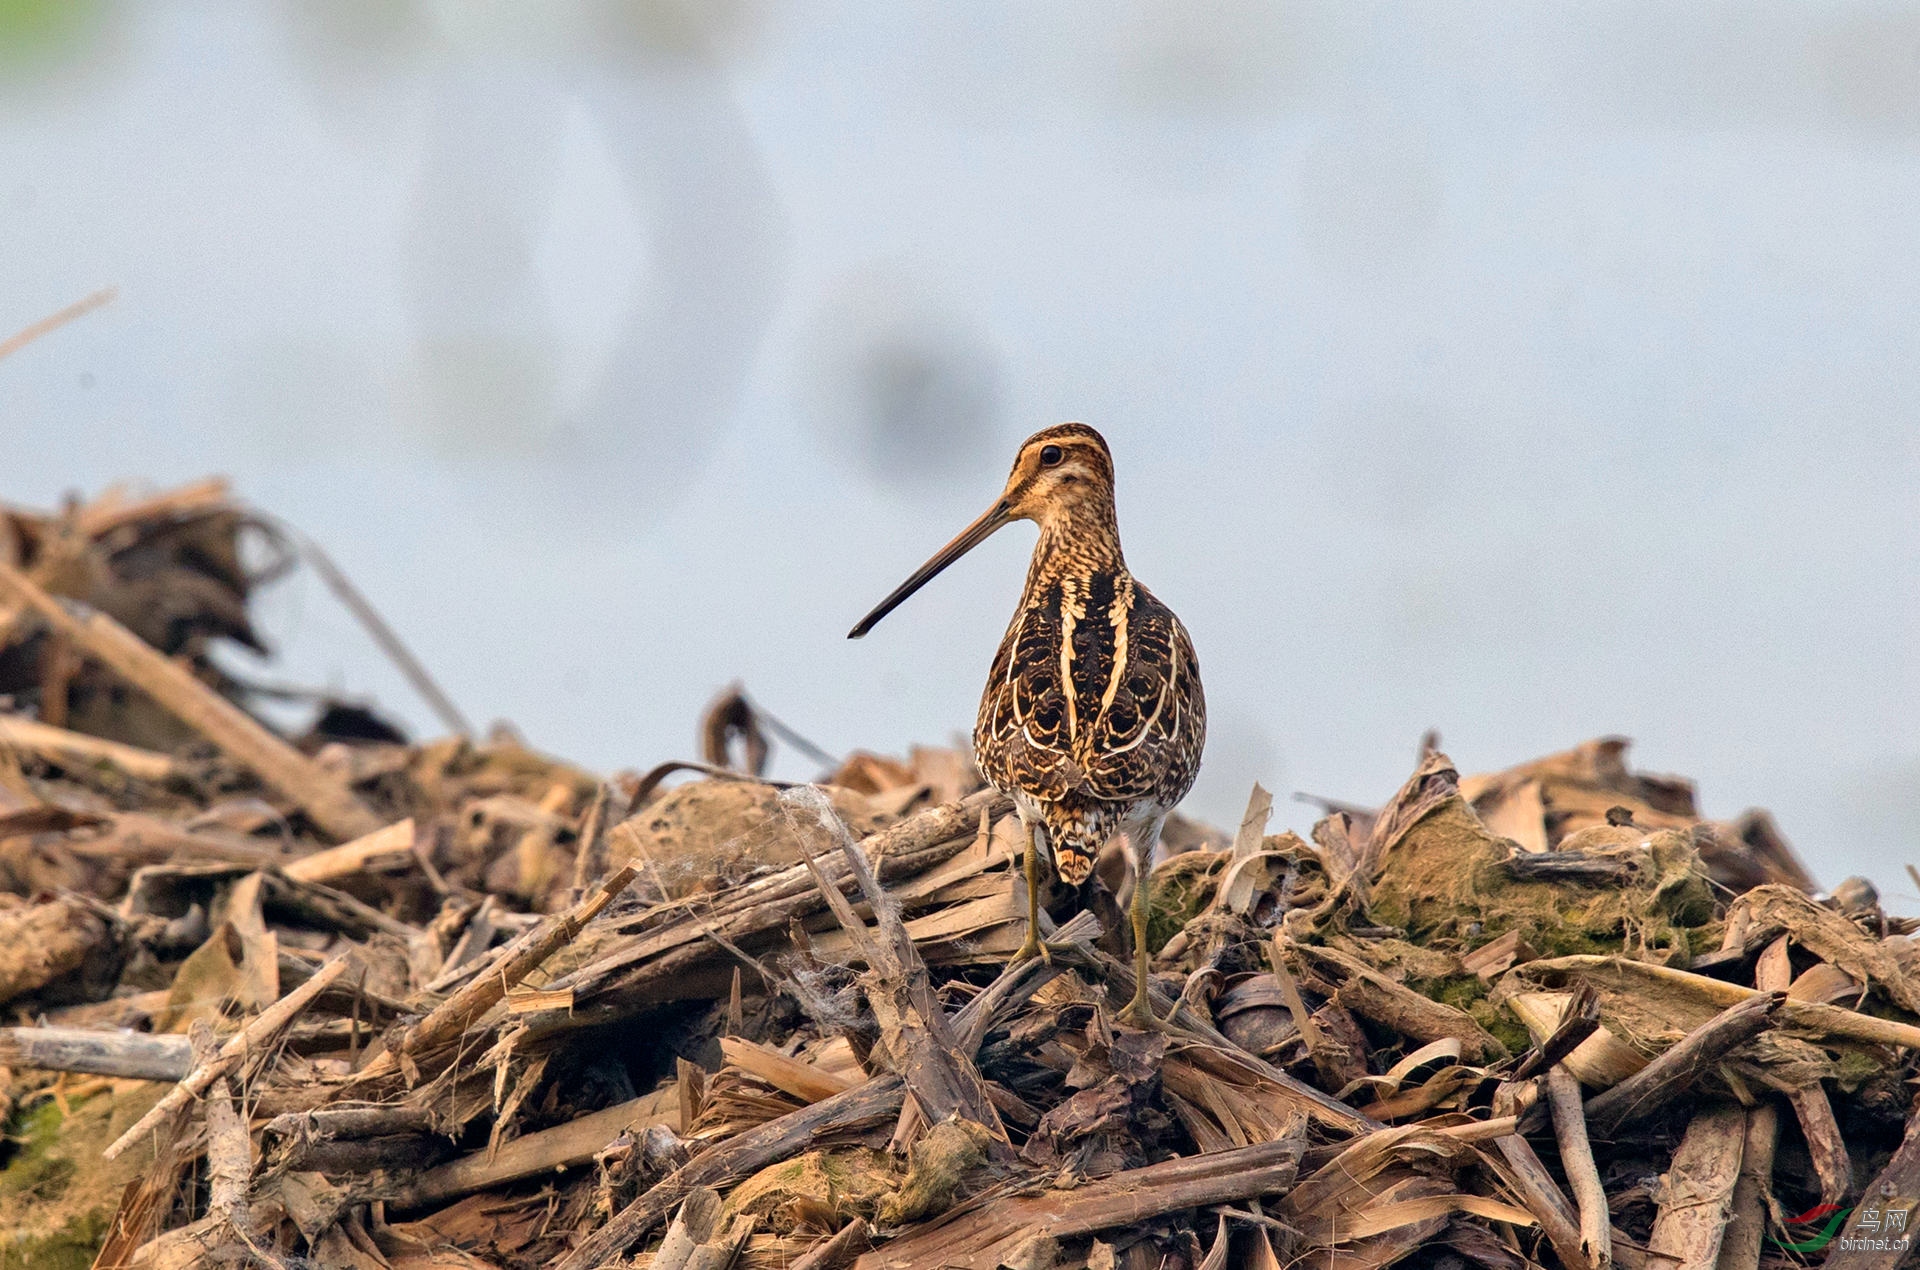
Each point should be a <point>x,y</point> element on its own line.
<point>1093,718</point>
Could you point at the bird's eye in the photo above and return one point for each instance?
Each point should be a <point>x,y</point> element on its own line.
<point>1050,455</point>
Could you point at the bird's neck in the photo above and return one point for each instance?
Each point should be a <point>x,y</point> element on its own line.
<point>1079,543</point>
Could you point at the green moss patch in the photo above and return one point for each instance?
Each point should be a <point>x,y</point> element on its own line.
<point>57,1196</point>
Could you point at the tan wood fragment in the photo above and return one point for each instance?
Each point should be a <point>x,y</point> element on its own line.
<point>229,1149</point>
<point>129,1055</point>
<point>1576,1158</point>
<point>691,1227</point>
<point>981,1236</point>
<point>849,1242</point>
<point>1832,1164</point>
<point>1669,1075</point>
<point>42,942</point>
<point>137,839</point>
<point>789,1075</point>
<point>62,745</point>
<point>1747,1221</point>
<point>1828,1148</point>
<point>919,1037</point>
<point>562,1147</point>
<point>1772,970</point>
<point>248,1040</point>
<point>458,1012</point>
<point>1696,1192</point>
<point>1825,983</point>
<point>377,852</point>
<point>317,791</point>
<point>1497,956</point>
<point>1530,1182</point>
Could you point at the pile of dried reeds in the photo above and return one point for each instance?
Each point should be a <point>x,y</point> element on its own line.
<point>337,1000</point>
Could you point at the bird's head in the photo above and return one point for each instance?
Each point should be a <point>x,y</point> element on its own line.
<point>1062,475</point>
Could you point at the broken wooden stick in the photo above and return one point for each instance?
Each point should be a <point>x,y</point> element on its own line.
<point>1579,1021</point>
<point>383,849</point>
<point>941,1079</point>
<point>789,1075</point>
<point>77,748</point>
<point>1524,1172</point>
<point>1535,1187</point>
<point>137,839</point>
<point>229,1149</point>
<point>1696,1192</point>
<point>351,1122</point>
<point>454,1015</point>
<point>250,1039</point>
<point>318,792</point>
<point>561,1147</point>
<point>1576,1157</point>
<point>1654,1085</point>
<point>129,1055</point>
<point>979,1236</point>
<point>1773,972</point>
<point>1747,1219</point>
<point>878,1099</point>
<point>849,1242</point>
<point>54,321</point>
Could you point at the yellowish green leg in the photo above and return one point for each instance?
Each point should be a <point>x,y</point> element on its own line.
<point>1033,945</point>
<point>1139,1011</point>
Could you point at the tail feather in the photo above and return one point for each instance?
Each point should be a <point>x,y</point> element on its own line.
<point>1074,865</point>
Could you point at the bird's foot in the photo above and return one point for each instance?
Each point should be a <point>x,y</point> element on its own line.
<point>1138,1014</point>
<point>1045,950</point>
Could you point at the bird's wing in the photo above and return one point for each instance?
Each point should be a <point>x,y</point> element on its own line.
<point>1147,734</point>
<point>1022,737</point>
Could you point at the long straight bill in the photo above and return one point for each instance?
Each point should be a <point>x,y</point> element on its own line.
<point>970,537</point>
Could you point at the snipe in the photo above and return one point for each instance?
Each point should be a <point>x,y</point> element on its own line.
<point>1093,717</point>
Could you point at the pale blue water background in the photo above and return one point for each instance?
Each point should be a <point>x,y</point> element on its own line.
<point>1524,373</point>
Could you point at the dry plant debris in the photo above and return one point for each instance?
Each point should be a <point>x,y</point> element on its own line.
<point>323,997</point>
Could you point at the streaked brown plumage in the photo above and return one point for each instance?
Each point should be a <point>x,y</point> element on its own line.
<point>1093,718</point>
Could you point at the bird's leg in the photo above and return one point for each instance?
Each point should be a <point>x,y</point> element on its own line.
<point>1139,1011</point>
<point>1033,945</point>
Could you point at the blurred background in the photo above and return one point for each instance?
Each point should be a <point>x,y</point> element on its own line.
<point>1521,372</point>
